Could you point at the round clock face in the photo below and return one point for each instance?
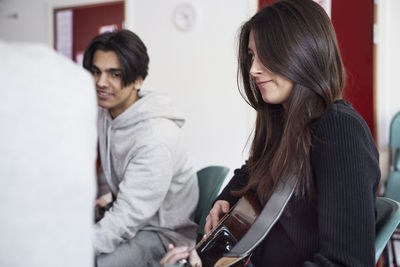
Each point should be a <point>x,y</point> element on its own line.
<point>185,16</point>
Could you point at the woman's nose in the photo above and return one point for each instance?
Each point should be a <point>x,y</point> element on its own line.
<point>256,67</point>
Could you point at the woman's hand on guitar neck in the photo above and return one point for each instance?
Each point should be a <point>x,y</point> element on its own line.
<point>220,208</point>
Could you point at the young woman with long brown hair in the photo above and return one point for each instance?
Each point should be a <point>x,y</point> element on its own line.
<point>292,74</point>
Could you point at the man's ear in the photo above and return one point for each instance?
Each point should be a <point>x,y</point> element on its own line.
<point>138,83</point>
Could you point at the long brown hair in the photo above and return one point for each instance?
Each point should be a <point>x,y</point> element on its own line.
<point>295,39</point>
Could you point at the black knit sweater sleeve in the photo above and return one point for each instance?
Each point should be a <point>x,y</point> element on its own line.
<point>238,181</point>
<point>345,165</point>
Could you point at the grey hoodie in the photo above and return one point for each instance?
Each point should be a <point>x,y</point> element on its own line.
<point>149,171</point>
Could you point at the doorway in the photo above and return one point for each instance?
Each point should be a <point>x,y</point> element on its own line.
<point>74,27</point>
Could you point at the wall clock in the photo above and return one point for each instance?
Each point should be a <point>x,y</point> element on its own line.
<point>184,16</point>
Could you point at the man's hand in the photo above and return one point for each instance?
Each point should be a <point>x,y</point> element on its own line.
<point>100,206</point>
<point>103,200</point>
<point>174,255</point>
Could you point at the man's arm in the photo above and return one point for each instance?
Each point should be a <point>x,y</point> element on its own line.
<point>141,193</point>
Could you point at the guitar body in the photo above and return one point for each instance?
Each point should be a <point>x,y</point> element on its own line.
<point>229,231</point>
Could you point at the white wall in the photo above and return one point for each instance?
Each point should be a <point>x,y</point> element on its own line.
<point>197,68</point>
<point>29,23</point>
<point>388,59</point>
<point>34,22</point>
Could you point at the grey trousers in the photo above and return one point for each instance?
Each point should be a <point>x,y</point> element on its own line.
<point>144,250</point>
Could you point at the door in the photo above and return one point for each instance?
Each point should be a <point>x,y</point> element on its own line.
<point>76,26</point>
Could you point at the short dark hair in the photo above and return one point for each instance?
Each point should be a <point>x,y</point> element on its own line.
<point>130,49</point>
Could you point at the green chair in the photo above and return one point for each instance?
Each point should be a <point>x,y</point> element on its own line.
<point>392,190</point>
<point>210,180</point>
<point>388,218</point>
<point>394,143</point>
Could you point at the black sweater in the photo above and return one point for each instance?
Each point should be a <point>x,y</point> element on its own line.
<point>339,228</point>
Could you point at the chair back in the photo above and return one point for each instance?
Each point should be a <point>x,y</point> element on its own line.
<point>394,143</point>
<point>392,189</point>
<point>210,180</point>
<point>387,220</point>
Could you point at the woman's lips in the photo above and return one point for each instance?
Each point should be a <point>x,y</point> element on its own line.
<point>263,83</point>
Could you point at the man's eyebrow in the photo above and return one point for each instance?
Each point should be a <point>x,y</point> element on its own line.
<point>107,70</point>
<point>113,69</point>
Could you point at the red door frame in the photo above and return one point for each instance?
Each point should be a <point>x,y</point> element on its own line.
<point>88,18</point>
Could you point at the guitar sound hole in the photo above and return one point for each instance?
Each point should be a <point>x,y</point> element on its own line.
<point>221,243</point>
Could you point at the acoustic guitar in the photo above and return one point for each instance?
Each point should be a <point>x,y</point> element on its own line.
<point>231,228</point>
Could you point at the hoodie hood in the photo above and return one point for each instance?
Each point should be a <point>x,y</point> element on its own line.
<point>150,105</point>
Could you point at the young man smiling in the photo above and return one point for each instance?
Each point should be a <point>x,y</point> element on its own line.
<point>144,160</point>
